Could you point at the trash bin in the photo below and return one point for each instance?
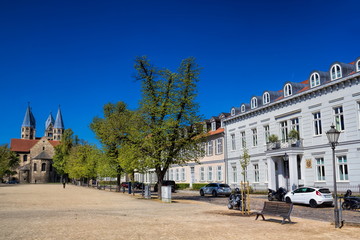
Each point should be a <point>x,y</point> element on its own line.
<point>166,194</point>
<point>147,193</point>
<point>129,187</point>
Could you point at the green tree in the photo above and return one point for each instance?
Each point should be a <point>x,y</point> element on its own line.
<point>244,162</point>
<point>8,161</point>
<point>172,126</point>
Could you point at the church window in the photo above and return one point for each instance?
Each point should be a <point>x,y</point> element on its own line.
<point>35,167</point>
<point>25,158</point>
<point>50,167</point>
<point>43,167</point>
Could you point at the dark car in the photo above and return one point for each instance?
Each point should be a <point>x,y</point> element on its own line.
<point>12,182</point>
<point>138,185</point>
<point>166,183</point>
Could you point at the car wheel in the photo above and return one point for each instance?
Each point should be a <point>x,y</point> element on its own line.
<point>201,193</point>
<point>288,200</point>
<point>346,206</point>
<point>313,203</point>
<point>214,193</point>
<point>227,195</point>
<point>230,206</point>
<point>270,198</point>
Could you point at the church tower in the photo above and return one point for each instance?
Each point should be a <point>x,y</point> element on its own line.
<point>58,126</point>
<point>28,127</point>
<point>49,127</point>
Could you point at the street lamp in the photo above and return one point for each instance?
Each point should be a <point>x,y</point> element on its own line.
<point>333,136</point>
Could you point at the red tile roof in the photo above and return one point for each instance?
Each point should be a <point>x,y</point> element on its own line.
<point>24,145</point>
<point>217,131</point>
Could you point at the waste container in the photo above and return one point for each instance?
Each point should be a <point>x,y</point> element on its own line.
<point>147,193</point>
<point>129,188</point>
<point>166,194</point>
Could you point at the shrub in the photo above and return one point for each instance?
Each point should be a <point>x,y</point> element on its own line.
<point>197,186</point>
<point>182,186</point>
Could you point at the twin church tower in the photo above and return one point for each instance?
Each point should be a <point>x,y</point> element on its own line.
<point>53,128</point>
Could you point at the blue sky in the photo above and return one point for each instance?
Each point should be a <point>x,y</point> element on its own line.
<point>80,54</point>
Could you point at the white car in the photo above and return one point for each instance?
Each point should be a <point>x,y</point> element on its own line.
<point>310,195</point>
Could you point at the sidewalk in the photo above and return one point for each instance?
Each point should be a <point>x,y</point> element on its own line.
<point>50,212</point>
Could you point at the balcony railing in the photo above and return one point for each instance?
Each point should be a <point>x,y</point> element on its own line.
<point>284,144</point>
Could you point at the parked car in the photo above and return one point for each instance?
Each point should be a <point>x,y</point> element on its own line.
<point>12,182</point>
<point>138,185</point>
<point>166,183</point>
<point>216,189</point>
<point>312,196</point>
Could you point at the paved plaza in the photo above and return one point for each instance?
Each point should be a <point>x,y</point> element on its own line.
<point>47,211</point>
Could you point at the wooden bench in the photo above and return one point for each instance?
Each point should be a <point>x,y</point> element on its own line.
<point>279,209</point>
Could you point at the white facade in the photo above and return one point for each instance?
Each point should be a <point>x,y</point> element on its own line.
<point>310,107</point>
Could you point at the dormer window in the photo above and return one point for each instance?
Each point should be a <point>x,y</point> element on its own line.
<point>242,108</point>
<point>335,72</point>
<point>314,80</point>
<point>213,126</point>
<point>233,112</point>
<point>266,98</point>
<point>358,66</point>
<point>253,103</point>
<point>287,90</point>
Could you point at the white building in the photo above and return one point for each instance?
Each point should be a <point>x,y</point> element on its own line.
<point>310,107</point>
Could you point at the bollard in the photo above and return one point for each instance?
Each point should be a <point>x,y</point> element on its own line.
<point>166,194</point>
<point>147,193</point>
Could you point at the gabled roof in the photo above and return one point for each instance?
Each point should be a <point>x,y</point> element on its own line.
<point>24,145</point>
<point>59,121</point>
<point>43,155</point>
<point>29,120</point>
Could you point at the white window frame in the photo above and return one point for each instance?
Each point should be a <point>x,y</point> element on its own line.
<point>295,124</point>
<point>317,124</point>
<point>233,112</point>
<point>314,80</point>
<point>233,142</point>
<point>342,167</point>
<point>171,174</point>
<point>320,169</point>
<point>177,176</point>
<point>266,98</point>
<point>253,103</point>
<point>213,126</point>
<point>287,90</point>
<point>242,108</point>
<point>256,173</point>
<point>234,173</point>
<point>219,173</point>
<point>254,137</point>
<point>210,149</point>
<point>243,139</point>
<point>210,174</point>
<point>219,146</point>
<point>339,120</point>
<point>335,72</point>
<point>202,174</point>
<point>284,131</point>
<point>358,66</point>
<point>266,133</point>
<point>183,175</point>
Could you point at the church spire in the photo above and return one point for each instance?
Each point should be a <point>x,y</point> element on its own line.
<point>49,124</point>
<point>29,125</point>
<point>58,126</point>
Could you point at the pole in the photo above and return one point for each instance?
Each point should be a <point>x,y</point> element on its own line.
<point>336,209</point>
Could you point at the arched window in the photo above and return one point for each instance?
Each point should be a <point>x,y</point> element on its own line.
<point>233,112</point>
<point>358,66</point>
<point>314,80</point>
<point>243,108</point>
<point>43,167</point>
<point>335,72</point>
<point>287,90</point>
<point>266,98</point>
<point>35,167</point>
<point>25,158</point>
<point>253,103</point>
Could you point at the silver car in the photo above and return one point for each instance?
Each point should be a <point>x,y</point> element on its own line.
<point>216,189</point>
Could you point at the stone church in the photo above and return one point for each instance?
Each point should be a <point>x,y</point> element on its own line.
<point>36,153</point>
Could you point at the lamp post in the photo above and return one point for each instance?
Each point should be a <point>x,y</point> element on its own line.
<point>333,136</point>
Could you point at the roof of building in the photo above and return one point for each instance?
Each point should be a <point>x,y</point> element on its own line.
<point>29,119</point>
<point>49,120</point>
<point>24,145</point>
<point>43,155</point>
<point>217,131</point>
<point>59,123</point>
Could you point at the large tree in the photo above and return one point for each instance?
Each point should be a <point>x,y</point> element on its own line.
<point>8,161</point>
<point>172,130</point>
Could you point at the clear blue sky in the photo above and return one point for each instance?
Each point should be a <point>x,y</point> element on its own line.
<point>80,54</point>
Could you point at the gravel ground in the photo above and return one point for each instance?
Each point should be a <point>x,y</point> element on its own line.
<point>50,212</point>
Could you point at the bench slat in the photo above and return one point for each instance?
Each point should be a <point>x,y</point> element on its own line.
<point>280,209</point>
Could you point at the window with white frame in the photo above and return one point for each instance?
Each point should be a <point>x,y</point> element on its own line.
<point>287,90</point>
<point>210,174</point>
<point>243,139</point>
<point>339,118</point>
<point>266,133</point>
<point>266,98</point>
<point>343,168</point>
<point>234,173</point>
<point>314,80</point>
<point>233,143</point>
<point>177,175</point>
<point>219,173</point>
<point>219,146</point>
<point>335,72</point>
<point>242,108</point>
<point>202,174</point>
<point>254,136</point>
<point>171,174</point>
<point>210,148</point>
<point>295,125</point>
<point>320,169</point>
<point>233,112</point>
<point>284,131</point>
<point>317,124</point>
<point>213,126</point>
<point>256,173</point>
<point>222,123</point>
<point>183,176</point>
<point>358,66</point>
<point>253,103</point>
